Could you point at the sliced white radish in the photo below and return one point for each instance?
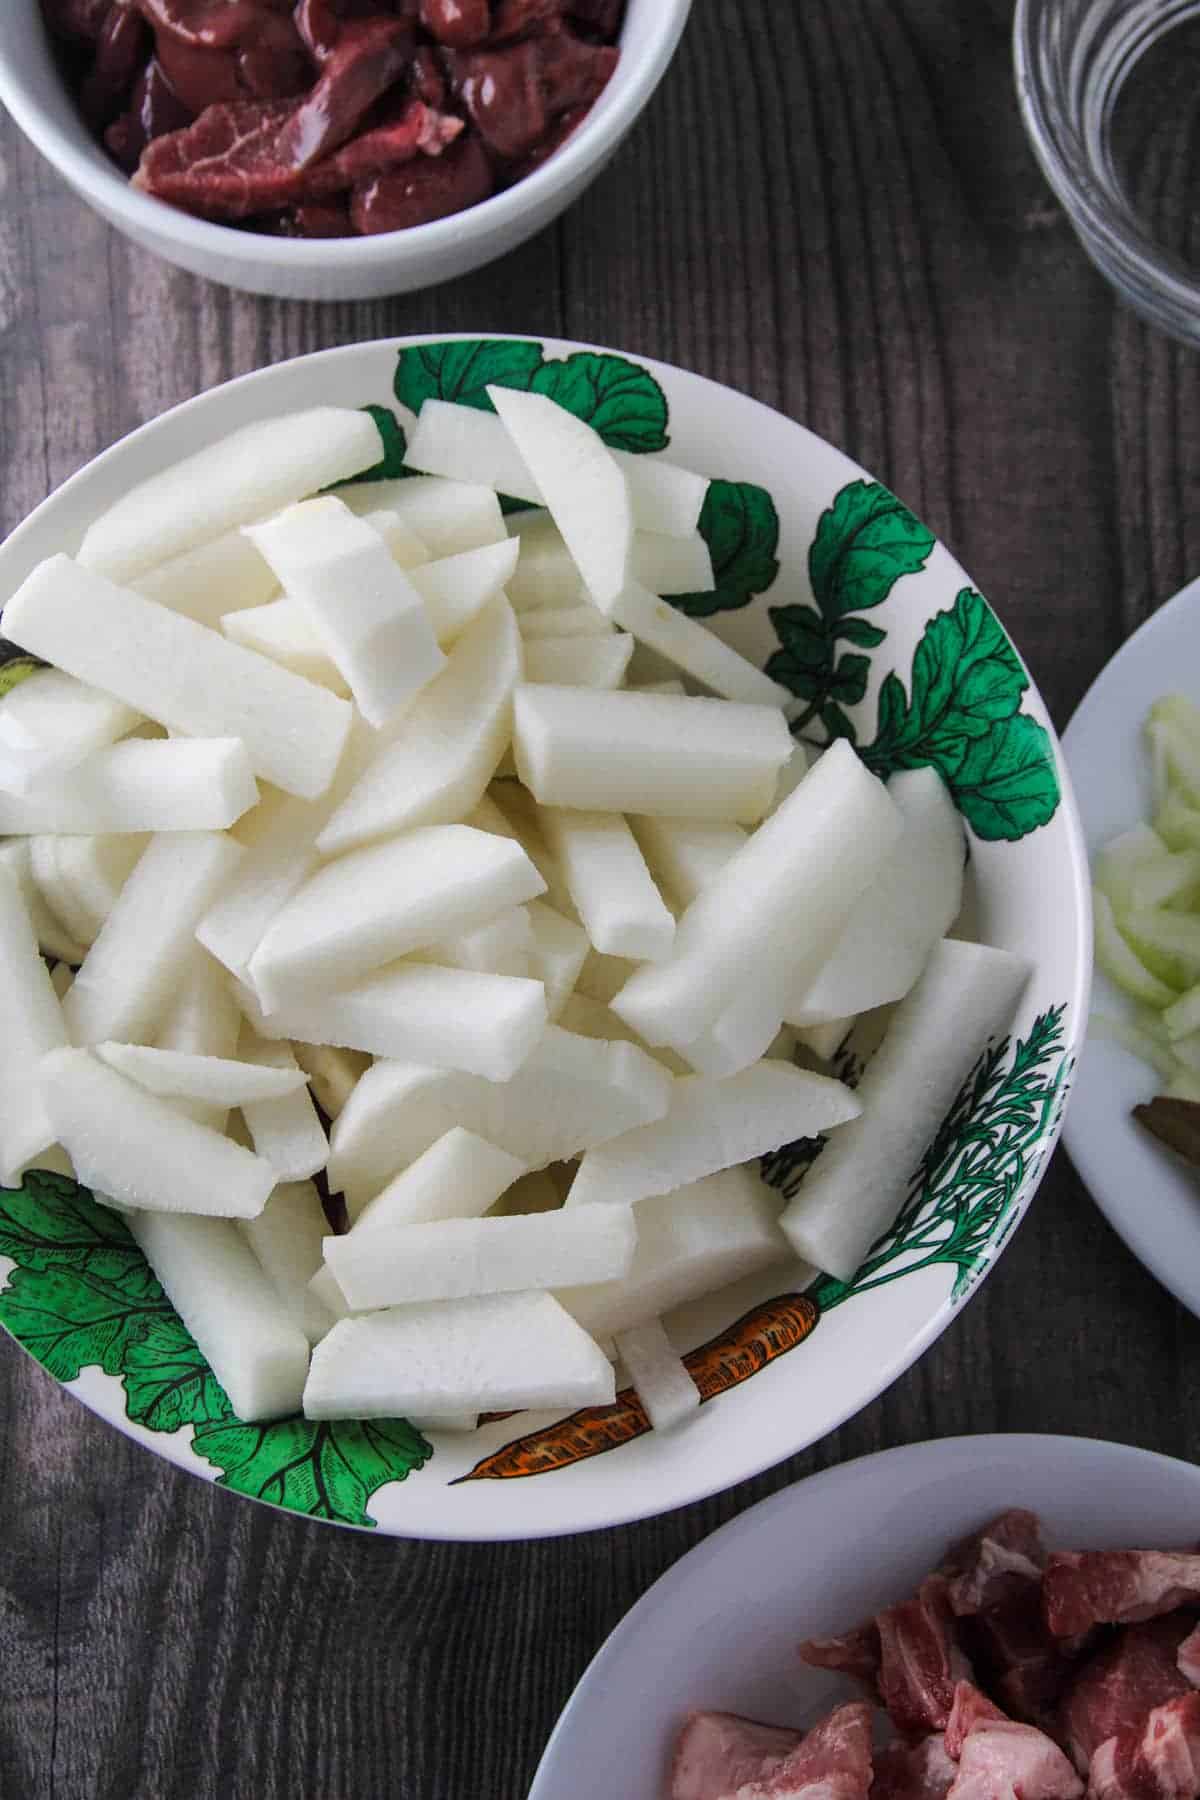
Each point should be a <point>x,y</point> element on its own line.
<point>450,1421</point>
<point>702,1237</point>
<point>202,1019</point>
<point>449,516</point>
<point>711,1125</point>
<point>742,1034</point>
<point>56,893</point>
<point>251,472</point>
<point>585,490</point>
<point>125,983</point>
<point>648,753</point>
<point>287,1239</point>
<point>364,607</point>
<point>437,765</point>
<point>186,784</point>
<point>573,1092</point>
<point>242,1326</point>
<point>587,662</point>
<point>50,932</point>
<point>484,1355</point>
<point>128,1143</point>
<point>513,812</point>
<point>375,904</point>
<point>49,722</point>
<point>404,545</point>
<point>95,869</point>
<point>546,579</point>
<point>185,676</point>
<point>505,945</point>
<point>283,632</point>
<point>332,1074</point>
<point>825,1040</point>
<point>661,1381</point>
<point>457,1259</point>
<point>595,1019</point>
<point>326,1292</point>
<point>671,565</point>
<point>892,927</point>
<point>459,1177</point>
<point>563,622</point>
<point>461,443</point>
<point>613,892</point>
<point>284,1128</point>
<point>450,1018</point>
<point>603,977</point>
<point>778,904</point>
<point>857,1185</point>
<point>665,498</point>
<point>560,949</point>
<point>225,576</point>
<point>184,1075</point>
<point>793,772</point>
<point>692,647</point>
<point>33,1027</point>
<point>455,589</point>
<point>684,855</point>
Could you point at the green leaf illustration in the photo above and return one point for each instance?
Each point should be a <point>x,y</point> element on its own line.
<point>167,1381</point>
<point>462,371</point>
<point>741,528</point>
<point>802,661</point>
<point>327,1470</point>
<point>1006,785</point>
<point>620,400</point>
<point>15,666</point>
<point>864,543</point>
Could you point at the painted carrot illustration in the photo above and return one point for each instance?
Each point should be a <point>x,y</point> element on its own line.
<point>761,1336</point>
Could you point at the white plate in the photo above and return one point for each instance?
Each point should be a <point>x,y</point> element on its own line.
<point>720,1629</point>
<point>1146,1194</point>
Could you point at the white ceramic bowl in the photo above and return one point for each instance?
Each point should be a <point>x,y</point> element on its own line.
<point>336,268</point>
<point>809,551</point>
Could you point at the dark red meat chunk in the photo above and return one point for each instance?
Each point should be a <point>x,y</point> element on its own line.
<point>120,55</point>
<point>603,16</point>
<point>855,1653</point>
<point>1017,1657</point>
<point>423,191</point>
<point>1188,1659</point>
<point>1117,1687</point>
<point>996,1563</point>
<point>154,109</point>
<point>520,18</point>
<point>1159,1760</point>
<point>513,95</point>
<point>1081,1588</point>
<point>717,1753</point>
<point>923,1771</point>
<point>370,56</point>
<point>920,1659</point>
<point>459,24</point>
<point>216,24</point>
<point>78,21</point>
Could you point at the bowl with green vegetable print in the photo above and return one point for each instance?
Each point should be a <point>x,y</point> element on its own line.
<point>546,930</point>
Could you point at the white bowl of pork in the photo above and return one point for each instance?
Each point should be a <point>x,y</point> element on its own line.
<point>453,787</point>
<point>992,1618</point>
<point>329,150</point>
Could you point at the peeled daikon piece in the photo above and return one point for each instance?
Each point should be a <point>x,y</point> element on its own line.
<point>858,1183</point>
<point>572,1092</point>
<point>665,498</point>
<point>378,903</point>
<point>585,490</point>
<point>404,545</point>
<point>457,1259</point>
<point>450,1018</point>
<point>700,1238</point>
<point>595,1019</point>
<point>326,1292</point>
<point>449,516</point>
<point>44,863</point>
<point>480,1355</point>
<point>684,855</point>
<point>504,945</point>
<point>671,565</point>
<point>125,983</point>
<point>140,785</point>
<point>437,765</point>
<point>33,1027</point>
<point>224,576</point>
<point>50,932</point>
<point>49,722</point>
<point>663,1385</point>
<point>455,589</point>
<point>709,1126</point>
<point>793,772</point>
<point>450,1421</point>
<point>332,1074</point>
<point>283,631</point>
<point>184,1075</point>
<point>366,610</point>
<point>588,662</point>
<point>648,753</point>
<point>556,622</point>
<point>202,1019</point>
<point>287,1239</point>
<point>284,1127</point>
<point>913,901</point>
<point>93,870</point>
<point>613,892</point>
<point>511,811</point>
<point>603,977</point>
<point>740,1036</point>
<point>128,1143</point>
<point>241,477</point>
<point>546,578</point>
<point>242,1326</point>
<point>462,443</point>
<point>185,676</point>
<point>560,948</point>
<point>459,1177</point>
<point>691,647</point>
<point>777,905</point>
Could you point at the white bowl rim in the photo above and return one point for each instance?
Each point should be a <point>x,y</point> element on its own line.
<point>599,133</point>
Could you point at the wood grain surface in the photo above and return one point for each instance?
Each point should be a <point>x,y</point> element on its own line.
<point>832,206</point>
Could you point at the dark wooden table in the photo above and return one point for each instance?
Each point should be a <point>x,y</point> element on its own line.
<point>831,205</point>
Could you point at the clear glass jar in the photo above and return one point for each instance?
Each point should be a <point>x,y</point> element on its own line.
<point>1110,95</point>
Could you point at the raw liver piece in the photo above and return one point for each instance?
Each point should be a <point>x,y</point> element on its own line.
<point>717,1753</point>
<point>1157,1761</point>
<point>459,24</point>
<point>923,1771</point>
<point>422,191</point>
<point>370,55</point>
<point>1117,1687</point>
<point>514,95</point>
<point>921,1660</point>
<point>1081,1588</point>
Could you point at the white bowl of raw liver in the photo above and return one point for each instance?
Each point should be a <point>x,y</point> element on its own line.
<point>566,929</point>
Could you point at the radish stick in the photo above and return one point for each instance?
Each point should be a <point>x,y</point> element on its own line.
<point>183,1075</point>
<point>586,662</point>
<point>285,1129</point>
<point>33,1028</point>
<point>458,1177</point>
<point>456,589</point>
<point>622,911</point>
<point>221,577</point>
<point>287,1239</point>
<point>49,722</point>
<point>663,1385</point>
<point>449,516</point>
<point>199,784</point>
